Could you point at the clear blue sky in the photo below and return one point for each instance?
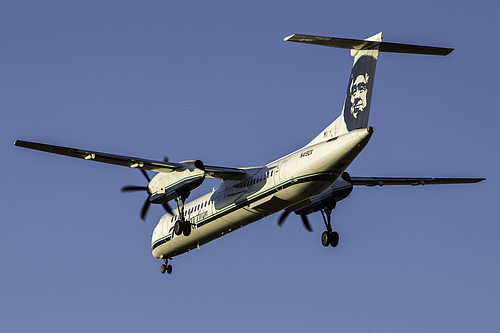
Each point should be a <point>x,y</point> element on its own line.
<point>213,80</point>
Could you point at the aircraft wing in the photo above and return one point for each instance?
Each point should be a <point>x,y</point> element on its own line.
<point>222,172</point>
<point>132,162</point>
<point>381,181</point>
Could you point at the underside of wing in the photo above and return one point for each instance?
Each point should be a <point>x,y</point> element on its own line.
<point>132,162</point>
<point>223,173</point>
<point>381,181</point>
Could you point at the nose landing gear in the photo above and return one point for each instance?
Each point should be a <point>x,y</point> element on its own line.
<point>166,268</point>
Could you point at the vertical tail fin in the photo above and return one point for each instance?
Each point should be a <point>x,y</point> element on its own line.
<point>358,97</point>
<point>357,102</point>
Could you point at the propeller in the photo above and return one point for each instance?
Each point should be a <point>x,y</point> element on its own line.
<point>305,220</point>
<point>147,203</point>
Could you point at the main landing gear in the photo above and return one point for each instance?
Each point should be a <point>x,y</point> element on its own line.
<point>329,237</point>
<point>182,226</point>
<point>166,268</point>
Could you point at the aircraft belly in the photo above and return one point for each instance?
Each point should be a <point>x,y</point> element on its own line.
<point>205,233</point>
<point>181,244</point>
<point>298,191</point>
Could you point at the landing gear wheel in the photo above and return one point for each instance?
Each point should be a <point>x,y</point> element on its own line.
<point>186,229</point>
<point>178,226</point>
<point>334,239</point>
<point>166,267</point>
<point>325,238</point>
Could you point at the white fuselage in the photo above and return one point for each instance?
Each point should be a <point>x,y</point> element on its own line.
<point>262,191</point>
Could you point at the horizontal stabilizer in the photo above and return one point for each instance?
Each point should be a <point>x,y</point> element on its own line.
<point>359,44</point>
<point>381,181</point>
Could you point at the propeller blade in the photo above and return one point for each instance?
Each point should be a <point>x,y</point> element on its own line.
<point>145,208</point>
<point>145,175</point>
<point>283,217</point>
<point>168,208</point>
<point>133,188</point>
<point>305,222</point>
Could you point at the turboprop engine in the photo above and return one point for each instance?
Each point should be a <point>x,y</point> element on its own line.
<point>179,182</point>
<point>340,189</point>
<point>175,183</point>
<point>325,202</point>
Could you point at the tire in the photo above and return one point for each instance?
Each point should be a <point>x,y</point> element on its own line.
<point>186,229</point>
<point>178,227</point>
<point>325,238</point>
<point>163,269</point>
<point>334,239</point>
<point>169,269</point>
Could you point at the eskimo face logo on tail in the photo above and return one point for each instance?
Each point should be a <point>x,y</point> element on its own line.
<point>359,91</point>
<point>359,88</point>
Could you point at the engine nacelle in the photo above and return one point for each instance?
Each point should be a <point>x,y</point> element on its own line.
<point>167,186</point>
<point>340,189</point>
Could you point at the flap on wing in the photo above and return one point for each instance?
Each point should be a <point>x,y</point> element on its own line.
<point>132,162</point>
<point>381,181</point>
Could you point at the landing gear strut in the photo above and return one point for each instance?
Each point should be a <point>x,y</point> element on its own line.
<point>329,237</point>
<point>166,268</point>
<point>182,226</point>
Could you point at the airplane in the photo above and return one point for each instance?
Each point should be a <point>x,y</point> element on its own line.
<point>308,180</point>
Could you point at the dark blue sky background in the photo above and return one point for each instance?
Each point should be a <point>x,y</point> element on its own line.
<point>213,80</point>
